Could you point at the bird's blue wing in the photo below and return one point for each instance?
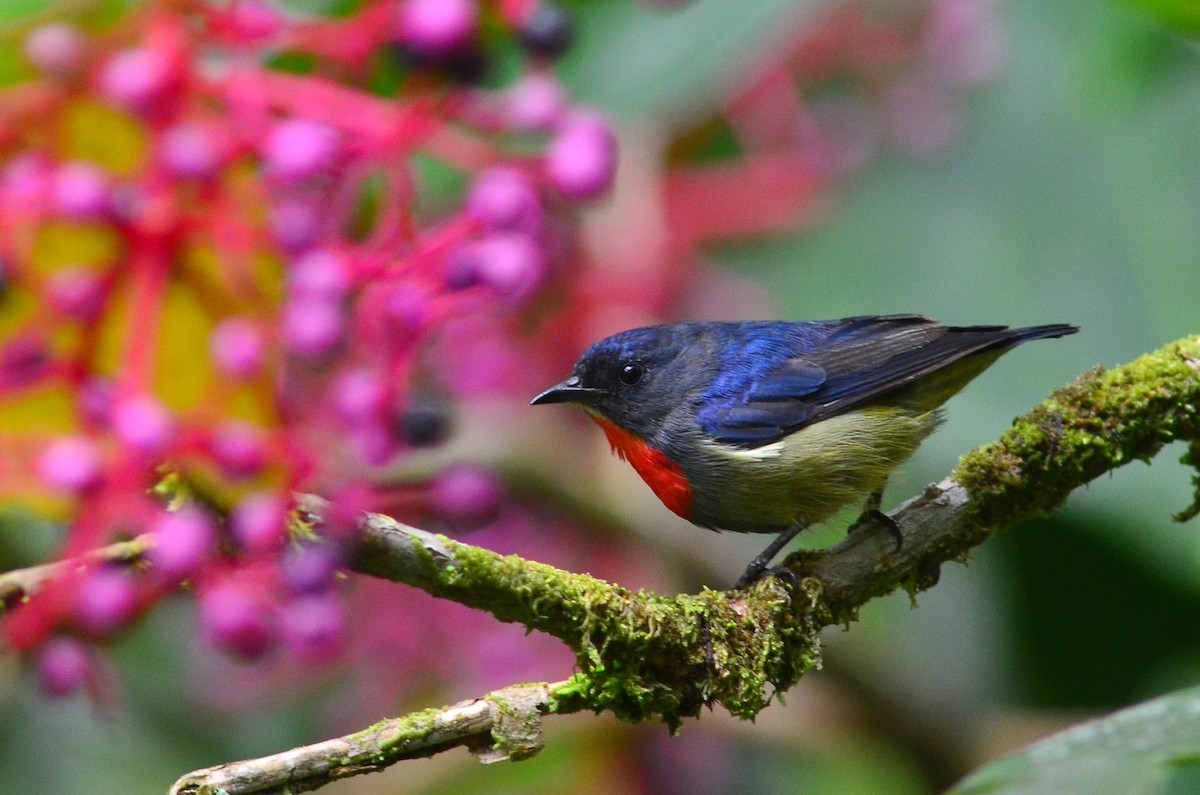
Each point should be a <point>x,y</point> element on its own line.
<point>811,371</point>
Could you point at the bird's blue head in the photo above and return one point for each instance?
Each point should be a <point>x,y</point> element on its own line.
<point>636,378</point>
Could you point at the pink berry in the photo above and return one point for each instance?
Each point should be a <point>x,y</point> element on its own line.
<point>299,149</point>
<point>511,263</point>
<point>847,138</point>
<point>63,665</point>
<point>359,396</point>
<point>57,50</point>
<point>142,424</point>
<point>404,310</point>
<point>193,150</point>
<point>70,463</point>
<point>581,161</point>
<point>964,42</point>
<point>237,347</point>
<point>184,541</point>
<point>312,327</point>
<point>28,183</point>
<point>466,492</point>
<point>373,442</point>
<point>438,28</point>
<point>82,191</point>
<point>137,78</point>
<point>23,359</point>
<point>78,292</point>
<point>106,601</point>
<point>255,19</point>
<point>295,224</point>
<point>313,626</point>
<point>503,198</point>
<point>258,521</point>
<point>921,116</point>
<point>535,103</point>
<point>310,568</point>
<point>320,274</point>
<point>240,449</point>
<point>236,619</point>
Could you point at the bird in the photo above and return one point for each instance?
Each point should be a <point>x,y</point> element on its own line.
<point>774,426</point>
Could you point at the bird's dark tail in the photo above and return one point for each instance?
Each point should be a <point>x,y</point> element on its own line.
<point>1043,332</point>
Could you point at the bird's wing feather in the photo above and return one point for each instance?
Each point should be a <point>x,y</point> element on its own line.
<point>857,361</point>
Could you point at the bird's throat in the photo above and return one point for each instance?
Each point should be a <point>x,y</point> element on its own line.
<point>665,477</point>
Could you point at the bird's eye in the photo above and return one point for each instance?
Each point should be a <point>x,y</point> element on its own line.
<point>631,374</point>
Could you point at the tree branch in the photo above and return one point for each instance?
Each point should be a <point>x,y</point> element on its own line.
<point>505,724</point>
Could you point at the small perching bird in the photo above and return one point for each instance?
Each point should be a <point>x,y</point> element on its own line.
<point>772,426</point>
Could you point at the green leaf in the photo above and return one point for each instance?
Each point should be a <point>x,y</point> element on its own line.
<point>1183,15</point>
<point>1153,747</point>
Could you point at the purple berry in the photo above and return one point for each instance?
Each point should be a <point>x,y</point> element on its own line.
<point>70,463</point>
<point>299,149</point>
<point>321,274</point>
<point>503,198</point>
<point>535,103</point>
<point>359,396</point>
<point>438,28</point>
<point>313,626</point>
<point>106,601</point>
<point>95,399</point>
<point>78,292</point>
<point>295,224</point>
<point>312,327</point>
<point>237,347</point>
<point>142,424</point>
<point>184,541</point>
<point>57,50</point>
<point>466,492</point>
<point>23,360</point>
<point>193,150</point>
<point>462,267</point>
<point>136,79</point>
<point>511,263</point>
<point>240,449</point>
<point>581,161</point>
<point>236,619</point>
<point>82,191</point>
<point>548,31</point>
<point>258,521</point>
<point>310,567</point>
<point>63,664</point>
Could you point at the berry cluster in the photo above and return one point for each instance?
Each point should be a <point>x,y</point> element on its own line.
<point>245,254</point>
<point>222,269</point>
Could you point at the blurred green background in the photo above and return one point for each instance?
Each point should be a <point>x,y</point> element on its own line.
<point>1072,195</point>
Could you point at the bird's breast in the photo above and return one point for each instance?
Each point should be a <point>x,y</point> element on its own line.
<point>665,477</point>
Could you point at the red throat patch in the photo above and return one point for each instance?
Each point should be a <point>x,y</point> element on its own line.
<point>665,478</point>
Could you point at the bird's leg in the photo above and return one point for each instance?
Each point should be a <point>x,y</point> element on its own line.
<point>758,566</point>
<point>872,513</point>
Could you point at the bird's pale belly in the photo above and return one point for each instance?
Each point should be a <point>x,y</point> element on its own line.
<point>806,477</point>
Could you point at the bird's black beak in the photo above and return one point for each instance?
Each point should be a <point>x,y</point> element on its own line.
<point>568,391</point>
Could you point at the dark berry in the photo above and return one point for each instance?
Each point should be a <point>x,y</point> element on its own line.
<point>422,423</point>
<point>549,30</point>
